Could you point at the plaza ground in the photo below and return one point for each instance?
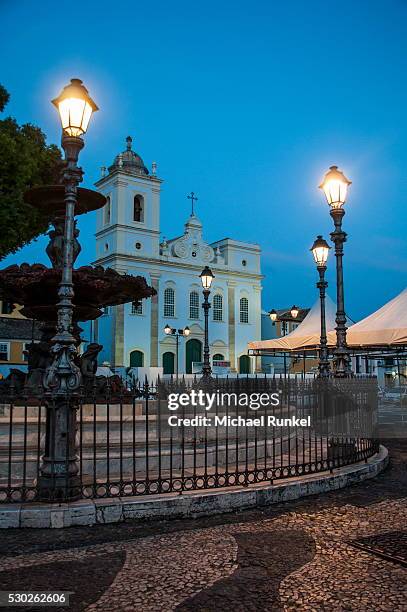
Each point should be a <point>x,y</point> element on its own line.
<point>346,550</point>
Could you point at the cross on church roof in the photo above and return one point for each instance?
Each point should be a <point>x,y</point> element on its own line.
<point>193,198</point>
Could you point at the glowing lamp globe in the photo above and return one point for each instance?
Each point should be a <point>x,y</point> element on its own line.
<point>273,315</point>
<point>335,186</point>
<point>206,277</point>
<point>75,108</point>
<point>320,251</point>
<point>294,311</point>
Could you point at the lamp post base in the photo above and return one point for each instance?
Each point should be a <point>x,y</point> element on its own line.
<point>59,479</point>
<point>59,488</point>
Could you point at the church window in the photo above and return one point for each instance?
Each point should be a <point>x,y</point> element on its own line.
<point>244,263</point>
<point>137,308</point>
<point>193,253</point>
<point>136,359</point>
<point>138,245</point>
<point>217,308</point>
<point>218,357</point>
<point>244,310</point>
<point>169,302</point>
<point>194,305</point>
<point>107,211</point>
<point>106,247</point>
<point>138,209</point>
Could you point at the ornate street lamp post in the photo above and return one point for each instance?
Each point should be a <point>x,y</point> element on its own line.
<point>320,251</point>
<point>59,470</point>
<point>206,277</point>
<point>171,331</point>
<point>335,186</point>
<point>75,108</point>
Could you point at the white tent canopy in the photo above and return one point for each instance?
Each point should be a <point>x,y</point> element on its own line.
<point>307,334</point>
<point>385,327</point>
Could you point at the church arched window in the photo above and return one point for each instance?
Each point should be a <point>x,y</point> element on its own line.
<point>194,305</point>
<point>169,302</point>
<point>244,310</point>
<point>136,359</point>
<point>107,211</point>
<point>218,357</point>
<point>137,308</point>
<point>138,209</point>
<point>217,307</point>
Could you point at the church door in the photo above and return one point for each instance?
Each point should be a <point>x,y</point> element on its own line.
<point>136,359</point>
<point>244,364</point>
<point>168,362</point>
<point>193,352</point>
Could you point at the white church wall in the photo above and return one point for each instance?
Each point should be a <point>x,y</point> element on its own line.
<point>104,336</point>
<point>137,332</point>
<point>251,329</point>
<point>240,256</point>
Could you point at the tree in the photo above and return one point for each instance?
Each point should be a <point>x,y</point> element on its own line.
<point>25,161</point>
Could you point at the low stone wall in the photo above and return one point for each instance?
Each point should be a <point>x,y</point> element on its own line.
<point>187,505</point>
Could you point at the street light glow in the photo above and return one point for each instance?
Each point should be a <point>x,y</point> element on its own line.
<point>320,251</point>
<point>335,186</point>
<point>75,108</point>
<point>273,315</point>
<point>294,311</point>
<point>206,277</point>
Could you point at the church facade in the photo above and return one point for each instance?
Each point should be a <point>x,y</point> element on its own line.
<point>128,240</point>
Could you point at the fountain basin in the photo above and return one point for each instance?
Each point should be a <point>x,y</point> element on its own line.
<point>36,288</point>
<point>50,200</point>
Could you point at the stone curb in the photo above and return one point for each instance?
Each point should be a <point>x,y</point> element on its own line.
<point>188,505</point>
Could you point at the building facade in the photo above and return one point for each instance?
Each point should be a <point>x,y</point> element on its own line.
<point>128,240</point>
<point>16,333</point>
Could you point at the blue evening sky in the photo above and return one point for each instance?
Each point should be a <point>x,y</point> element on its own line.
<point>245,103</point>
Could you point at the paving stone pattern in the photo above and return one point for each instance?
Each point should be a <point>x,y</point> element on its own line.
<point>293,556</point>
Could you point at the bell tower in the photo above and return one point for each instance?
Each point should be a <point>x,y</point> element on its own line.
<point>129,223</point>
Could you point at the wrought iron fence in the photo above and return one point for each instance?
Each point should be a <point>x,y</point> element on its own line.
<point>126,445</point>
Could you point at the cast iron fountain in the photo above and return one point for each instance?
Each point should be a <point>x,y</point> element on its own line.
<point>60,297</point>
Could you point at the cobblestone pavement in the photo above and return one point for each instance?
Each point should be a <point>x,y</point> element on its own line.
<point>345,550</point>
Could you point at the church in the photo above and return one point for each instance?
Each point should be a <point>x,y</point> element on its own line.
<point>128,240</point>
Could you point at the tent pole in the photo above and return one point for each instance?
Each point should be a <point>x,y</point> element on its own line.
<point>398,376</point>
